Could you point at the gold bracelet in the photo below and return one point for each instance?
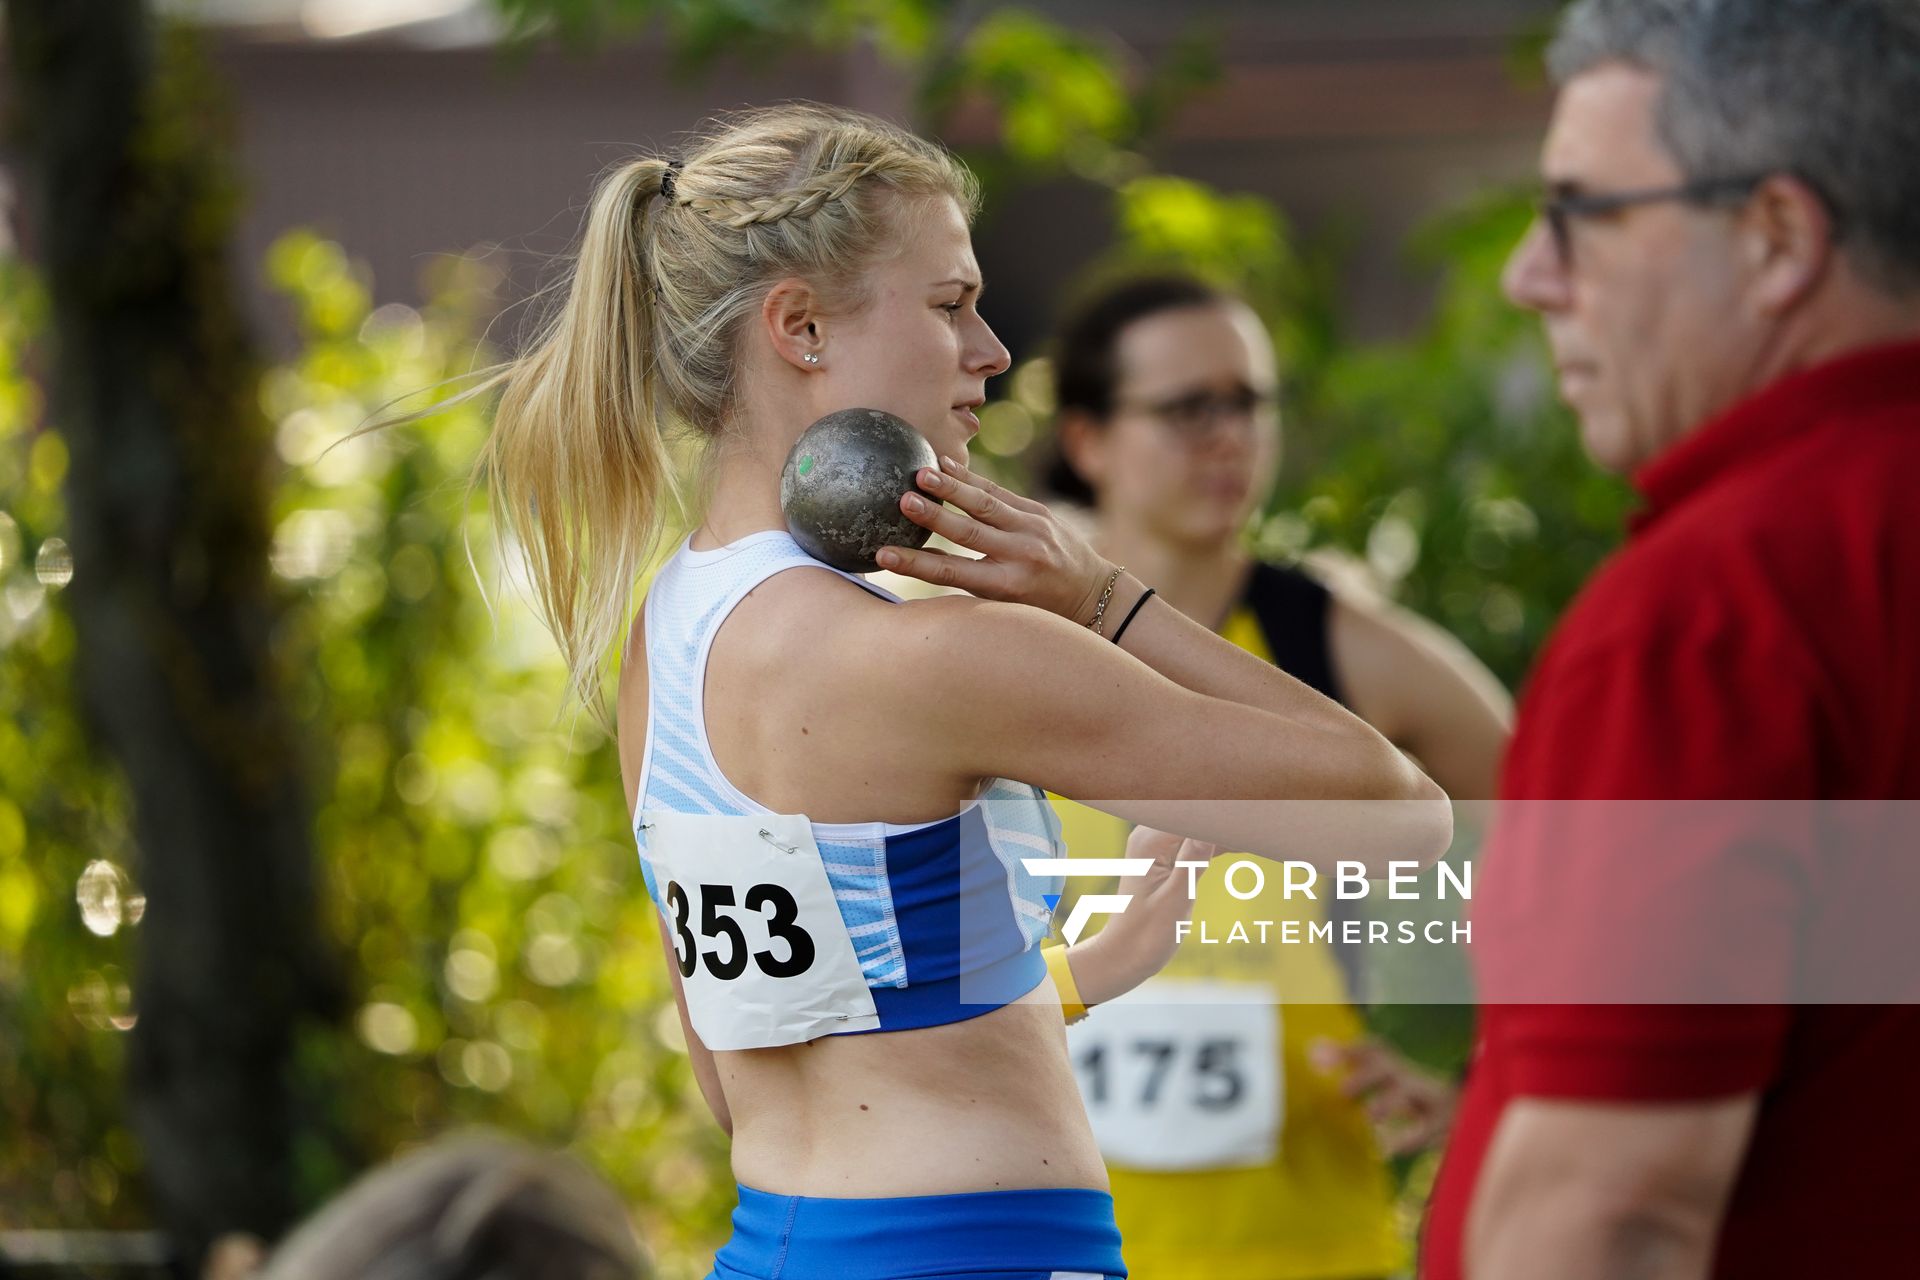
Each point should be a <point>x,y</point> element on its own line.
<point>1100,610</point>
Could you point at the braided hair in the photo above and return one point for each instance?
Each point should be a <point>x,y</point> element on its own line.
<point>802,201</point>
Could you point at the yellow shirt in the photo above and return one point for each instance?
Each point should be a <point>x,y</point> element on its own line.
<point>1321,1205</point>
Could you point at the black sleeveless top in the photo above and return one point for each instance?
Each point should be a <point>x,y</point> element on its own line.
<point>1294,611</point>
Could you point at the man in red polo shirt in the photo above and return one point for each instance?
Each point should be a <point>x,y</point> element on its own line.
<point>1728,266</point>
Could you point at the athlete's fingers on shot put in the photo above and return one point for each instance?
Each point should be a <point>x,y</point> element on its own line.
<point>957,527</point>
<point>931,565</point>
<point>993,511</point>
<point>1018,501</point>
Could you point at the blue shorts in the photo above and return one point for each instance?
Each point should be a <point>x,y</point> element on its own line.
<point>1043,1234</point>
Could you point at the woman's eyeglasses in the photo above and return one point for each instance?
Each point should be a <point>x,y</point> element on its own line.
<point>1194,416</point>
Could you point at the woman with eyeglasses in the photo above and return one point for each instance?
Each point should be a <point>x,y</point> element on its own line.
<point>1266,1159</point>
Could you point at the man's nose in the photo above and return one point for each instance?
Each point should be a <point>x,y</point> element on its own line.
<point>1534,277</point>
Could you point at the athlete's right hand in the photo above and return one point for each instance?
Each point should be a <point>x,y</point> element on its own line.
<point>1027,554</point>
<point>1139,941</point>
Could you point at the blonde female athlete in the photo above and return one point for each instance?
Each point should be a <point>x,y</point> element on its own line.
<point>822,776</point>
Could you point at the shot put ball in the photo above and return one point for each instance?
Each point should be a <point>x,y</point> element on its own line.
<point>842,483</point>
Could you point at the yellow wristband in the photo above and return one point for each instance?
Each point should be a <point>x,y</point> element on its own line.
<point>1062,973</point>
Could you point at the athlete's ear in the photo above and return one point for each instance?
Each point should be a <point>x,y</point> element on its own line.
<point>791,318</point>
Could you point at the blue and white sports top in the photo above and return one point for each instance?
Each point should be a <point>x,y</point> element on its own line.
<point>943,920</point>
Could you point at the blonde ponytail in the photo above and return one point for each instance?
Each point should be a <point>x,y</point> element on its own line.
<point>577,463</point>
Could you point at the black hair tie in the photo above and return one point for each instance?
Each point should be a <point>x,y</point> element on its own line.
<point>667,179</point>
<point>1121,630</point>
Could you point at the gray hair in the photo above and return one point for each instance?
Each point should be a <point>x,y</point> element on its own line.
<point>1827,90</point>
<point>475,1208</point>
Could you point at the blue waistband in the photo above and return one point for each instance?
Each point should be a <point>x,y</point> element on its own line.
<point>1014,1233</point>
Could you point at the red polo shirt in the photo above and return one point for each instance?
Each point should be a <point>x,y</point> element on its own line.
<point>1758,638</point>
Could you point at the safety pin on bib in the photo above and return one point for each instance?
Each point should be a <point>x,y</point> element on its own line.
<point>764,835</point>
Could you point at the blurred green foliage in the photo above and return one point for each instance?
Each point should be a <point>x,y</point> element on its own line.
<point>476,861</point>
<point>475,857</point>
<point>65,1150</point>
<point>701,30</point>
<point>476,849</point>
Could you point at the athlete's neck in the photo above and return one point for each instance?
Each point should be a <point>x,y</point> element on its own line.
<point>743,495</point>
<point>1201,580</point>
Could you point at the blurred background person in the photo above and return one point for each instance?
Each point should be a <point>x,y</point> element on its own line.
<point>1168,432</point>
<point>475,1207</point>
<point>1727,265</point>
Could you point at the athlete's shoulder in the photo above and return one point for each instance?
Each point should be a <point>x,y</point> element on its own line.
<point>808,608</point>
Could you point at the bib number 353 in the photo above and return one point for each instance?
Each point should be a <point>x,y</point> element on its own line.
<point>792,955</point>
<point>764,955</point>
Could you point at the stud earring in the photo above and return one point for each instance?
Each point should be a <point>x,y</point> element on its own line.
<point>810,358</point>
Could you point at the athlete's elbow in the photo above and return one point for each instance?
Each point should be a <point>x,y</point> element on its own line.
<point>1429,813</point>
<point>1419,821</point>
<point>1410,782</point>
<point>1436,823</point>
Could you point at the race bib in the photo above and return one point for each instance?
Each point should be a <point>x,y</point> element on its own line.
<point>1181,1074</point>
<point>763,953</point>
